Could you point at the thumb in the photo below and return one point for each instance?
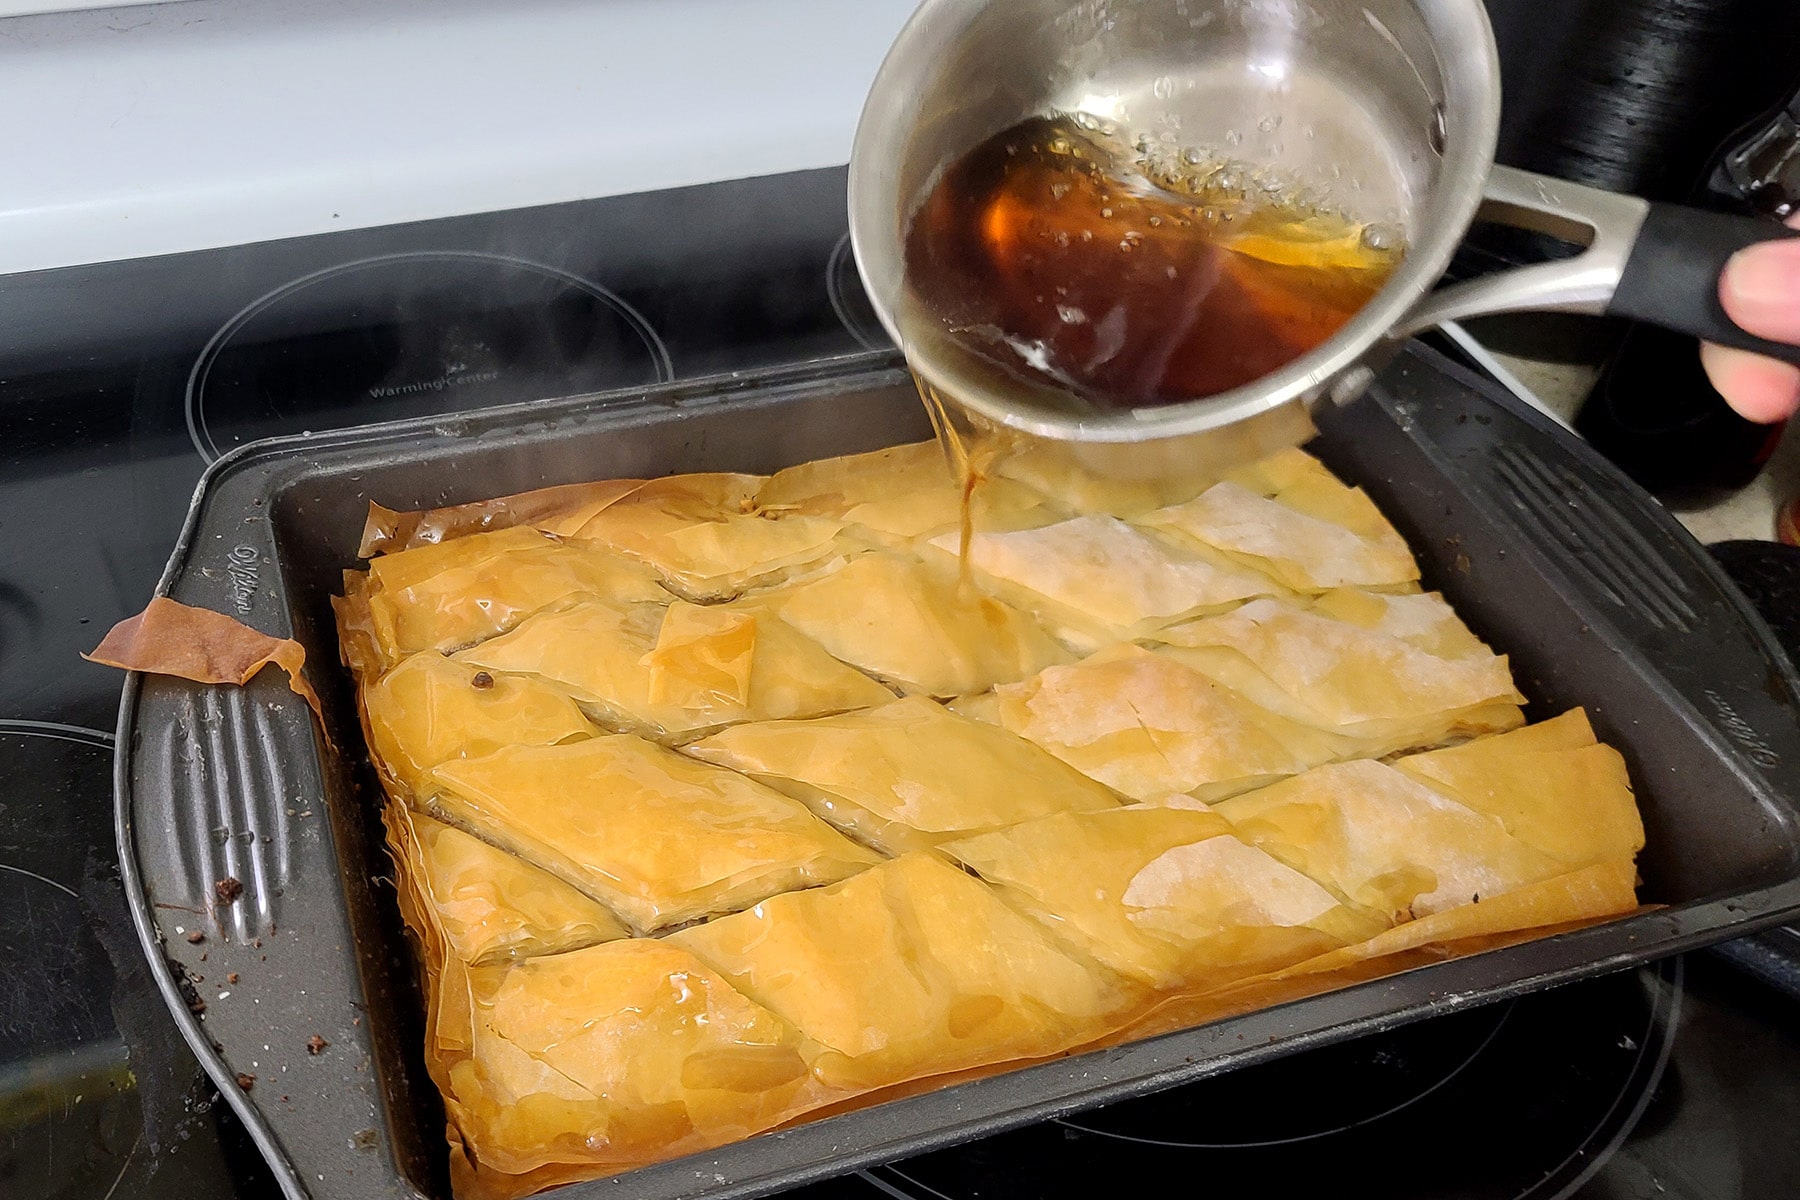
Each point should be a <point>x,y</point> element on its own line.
<point>1760,289</point>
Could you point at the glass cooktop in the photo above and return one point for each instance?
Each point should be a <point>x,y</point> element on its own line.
<point>120,382</point>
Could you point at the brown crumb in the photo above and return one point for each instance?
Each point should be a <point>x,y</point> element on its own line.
<point>196,937</point>
<point>231,978</point>
<point>481,681</point>
<point>1462,563</point>
<point>228,889</point>
<point>196,1005</point>
<point>315,1045</point>
<point>245,1080</point>
<point>257,942</point>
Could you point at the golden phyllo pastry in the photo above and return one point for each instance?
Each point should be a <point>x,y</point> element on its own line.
<point>916,626</point>
<point>486,904</point>
<point>907,970</point>
<point>1397,671</point>
<point>1385,842</point>
<point>1552,786</point>
<point>671,672</point>
<point>1056,469</point>
<point>1146,726</point>
<point>431,709</point>
<point>559,510</point>
<point>455,593</point>
<point>658,838</point>
<point>692,847</point>
<point>1568,900</point>
<point>614,1056</point>
<point>907,775</point>
<point>897,494</point>
<point>1169,896</point>
<point>702,536</point>
<point>1103,580</point>
<point>1290,518</point>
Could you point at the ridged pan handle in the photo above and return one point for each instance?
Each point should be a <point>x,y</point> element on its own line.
<point>232,843</point>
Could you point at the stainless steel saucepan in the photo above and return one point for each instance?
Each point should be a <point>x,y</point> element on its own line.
<point>1391,105</point>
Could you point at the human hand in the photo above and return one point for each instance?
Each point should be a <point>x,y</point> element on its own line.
<point>1760,289</point>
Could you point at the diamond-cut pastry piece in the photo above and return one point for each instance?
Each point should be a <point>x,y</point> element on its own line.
<point>910,969</point>
<point>907,775</point>
<point>898,494</point>
<point>1290,518</point>
<point>658,838</point>
<point>1401,671</point>
<point>1385,842</point>
<point>674,672</point>
<point>1551,786</point>
<point>484,903</point>
<point>559,510</point>
<point>1104,580</point>
<point>700,534</point>
<point>614,1056</point>
<point>916,626</point>
<point>445,596</point>
<point>1056,470</point>
<point>1168,896</point>
<point>431,709</point>
<point>1146,726</point>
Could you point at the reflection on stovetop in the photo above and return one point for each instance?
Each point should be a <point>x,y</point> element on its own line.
<point>119,383</point>
<point>98,1097</point>
<point>1671,1081</point>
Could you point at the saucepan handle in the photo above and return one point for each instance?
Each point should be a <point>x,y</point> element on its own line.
<point>1657,263</point>
<point>1672,276</point>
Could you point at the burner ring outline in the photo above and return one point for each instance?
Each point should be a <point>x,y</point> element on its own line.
<point>196,385</point>
<point>868,338</point>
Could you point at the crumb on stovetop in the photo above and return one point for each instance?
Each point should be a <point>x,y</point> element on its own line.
<point>315,1045</point>
<point>228,889</point>
<point>246,1080</point>
<point>195,938</point>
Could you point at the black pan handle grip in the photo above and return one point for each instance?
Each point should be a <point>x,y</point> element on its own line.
<point>1672,276</point>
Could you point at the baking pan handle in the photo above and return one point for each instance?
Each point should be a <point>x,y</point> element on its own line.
<point>1657,263</point>
<point>232,841</point>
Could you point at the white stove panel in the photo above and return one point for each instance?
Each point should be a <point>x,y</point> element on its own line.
<point>162,128</point>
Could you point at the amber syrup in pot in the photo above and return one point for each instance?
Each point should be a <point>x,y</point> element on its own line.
<point>1053,255</point>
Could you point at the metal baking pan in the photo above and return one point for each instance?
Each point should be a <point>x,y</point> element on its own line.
<point>1599,597</point>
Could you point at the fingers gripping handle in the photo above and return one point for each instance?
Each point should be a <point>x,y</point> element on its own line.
<point>1672,276</point>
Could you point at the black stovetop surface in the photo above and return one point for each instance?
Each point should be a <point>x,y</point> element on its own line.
<point>118,383</point>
